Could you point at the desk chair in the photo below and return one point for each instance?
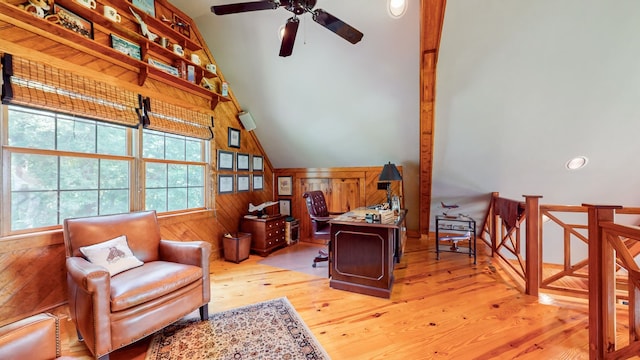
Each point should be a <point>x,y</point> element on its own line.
<point>320,216</point>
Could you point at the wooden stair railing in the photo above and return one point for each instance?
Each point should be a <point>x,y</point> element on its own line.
<point>608,248</point>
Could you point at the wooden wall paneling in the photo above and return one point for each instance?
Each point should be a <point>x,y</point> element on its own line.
<point>32,280</point>
<point>344,188</point>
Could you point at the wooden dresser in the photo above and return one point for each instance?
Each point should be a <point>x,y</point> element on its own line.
<point>266,234</point>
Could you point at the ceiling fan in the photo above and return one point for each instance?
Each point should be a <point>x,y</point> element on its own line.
<point>297,7</point>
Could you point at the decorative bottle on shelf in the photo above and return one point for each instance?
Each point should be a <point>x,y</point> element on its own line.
<point>225,89</point>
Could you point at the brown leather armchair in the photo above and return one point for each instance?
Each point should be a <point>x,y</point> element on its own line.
<point>111,312</point>
<point>320,217</point>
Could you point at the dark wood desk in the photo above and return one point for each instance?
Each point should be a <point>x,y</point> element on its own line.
<point>362,255</point>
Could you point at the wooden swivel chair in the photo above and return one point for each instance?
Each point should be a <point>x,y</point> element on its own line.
<point>320,216</point>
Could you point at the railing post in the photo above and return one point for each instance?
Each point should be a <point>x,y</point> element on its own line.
<point>533,265</point>
<point>493,224</point>
<point>601,283</point>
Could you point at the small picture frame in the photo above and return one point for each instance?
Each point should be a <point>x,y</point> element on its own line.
<point>225,184</point>
<point>234,138</point>
<point>242,162</point>
<point>258,183</point>
<point>225,160</point>
<point>257,163</point>
<point>285,206</point>
<point>148,6</point>
<point>181,26</point>
<point>126,47</point>
<point>285,186</point>
<point>73,22</point>
<point>172,70</point>
<point>243,183</point>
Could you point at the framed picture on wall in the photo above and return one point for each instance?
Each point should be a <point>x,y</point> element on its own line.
<point>234,138</point>
<point>257,163</point>
<point>242,161</point>
<point>284,185</point>
<point>147,6</point>
<point>225,160</point>
<point>258,182</point>
<point>73,22</point>
<point>285,207</point>
<point>243,183</point>
<point>225,184</point>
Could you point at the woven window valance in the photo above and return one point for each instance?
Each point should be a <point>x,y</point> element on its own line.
<point>34,84</point>
<point>163,116</point>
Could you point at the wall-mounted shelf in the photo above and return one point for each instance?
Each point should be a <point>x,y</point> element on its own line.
<point>147,48</point>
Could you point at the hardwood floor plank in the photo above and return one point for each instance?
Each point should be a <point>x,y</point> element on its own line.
<point>446,309</point>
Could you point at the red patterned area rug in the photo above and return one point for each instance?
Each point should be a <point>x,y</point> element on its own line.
<point>267,330</point>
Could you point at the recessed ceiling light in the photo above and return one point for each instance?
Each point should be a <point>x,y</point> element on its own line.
<point>397,8</point>
<point>577,162</point>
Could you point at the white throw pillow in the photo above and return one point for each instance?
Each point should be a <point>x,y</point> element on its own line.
<point>114,254</point>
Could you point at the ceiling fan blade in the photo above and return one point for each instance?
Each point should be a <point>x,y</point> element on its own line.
<point>289,37</point>
<point>244,7</point>
<point>336,25</point>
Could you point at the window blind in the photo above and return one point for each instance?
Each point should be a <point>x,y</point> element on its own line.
<point>34,84</point>
<point>163,116</point>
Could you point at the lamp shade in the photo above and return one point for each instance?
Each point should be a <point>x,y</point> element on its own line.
<point>390,173</point>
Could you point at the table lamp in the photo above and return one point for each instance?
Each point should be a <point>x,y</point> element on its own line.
<point>389,173</point>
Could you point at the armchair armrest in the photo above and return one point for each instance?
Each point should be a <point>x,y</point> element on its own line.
<point>191,253</point>
<point>186,252</point>
<point>90,277</point>
<point>90,302</point>
<point>321,218</point>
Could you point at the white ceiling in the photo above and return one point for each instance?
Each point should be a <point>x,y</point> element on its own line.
<point>522,87</point>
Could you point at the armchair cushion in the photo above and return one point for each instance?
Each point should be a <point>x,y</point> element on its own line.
<point>114,254</point>
<point>149,282</point>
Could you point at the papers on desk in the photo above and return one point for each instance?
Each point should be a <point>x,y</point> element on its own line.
<point>359,215</point>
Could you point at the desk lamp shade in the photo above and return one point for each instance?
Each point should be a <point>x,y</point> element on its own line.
<point>389,173</point>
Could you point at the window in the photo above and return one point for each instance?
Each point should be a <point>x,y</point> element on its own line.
<point>174,171</point>
<point>63,166</point>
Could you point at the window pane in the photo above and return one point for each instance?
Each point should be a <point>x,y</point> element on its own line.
<point>78,203</point>
<point>114,174</point>
<point>76,135</point>
<point>32,209</point>
<point>114,201</point>
<point>112,140</point>
<point>156,175</point>
<point>34,172</point>
<point>196,197</point>
<point>175,148</point>
<point>153,145</point>
<point>78,173</point>
<point>196,175</point>
<point>177,175</point>
<point>32,129</point>
<point>194,150</point>
<point>156,199</point>
<point>177,199</point>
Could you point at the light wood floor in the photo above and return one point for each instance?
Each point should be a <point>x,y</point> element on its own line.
<point>446,309</point>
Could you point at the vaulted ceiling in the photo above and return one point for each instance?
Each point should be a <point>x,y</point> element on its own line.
<point>522,86</point>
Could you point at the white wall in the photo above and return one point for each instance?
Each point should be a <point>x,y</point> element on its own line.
<point>523,86</point>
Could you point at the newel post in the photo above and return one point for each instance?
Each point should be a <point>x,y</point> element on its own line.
<point>601,283</point>
<point>533,266</point>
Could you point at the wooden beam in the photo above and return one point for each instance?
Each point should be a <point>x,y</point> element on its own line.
<point>432,21</point>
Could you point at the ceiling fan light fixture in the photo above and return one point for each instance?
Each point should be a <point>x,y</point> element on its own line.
<point>396,8</point>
